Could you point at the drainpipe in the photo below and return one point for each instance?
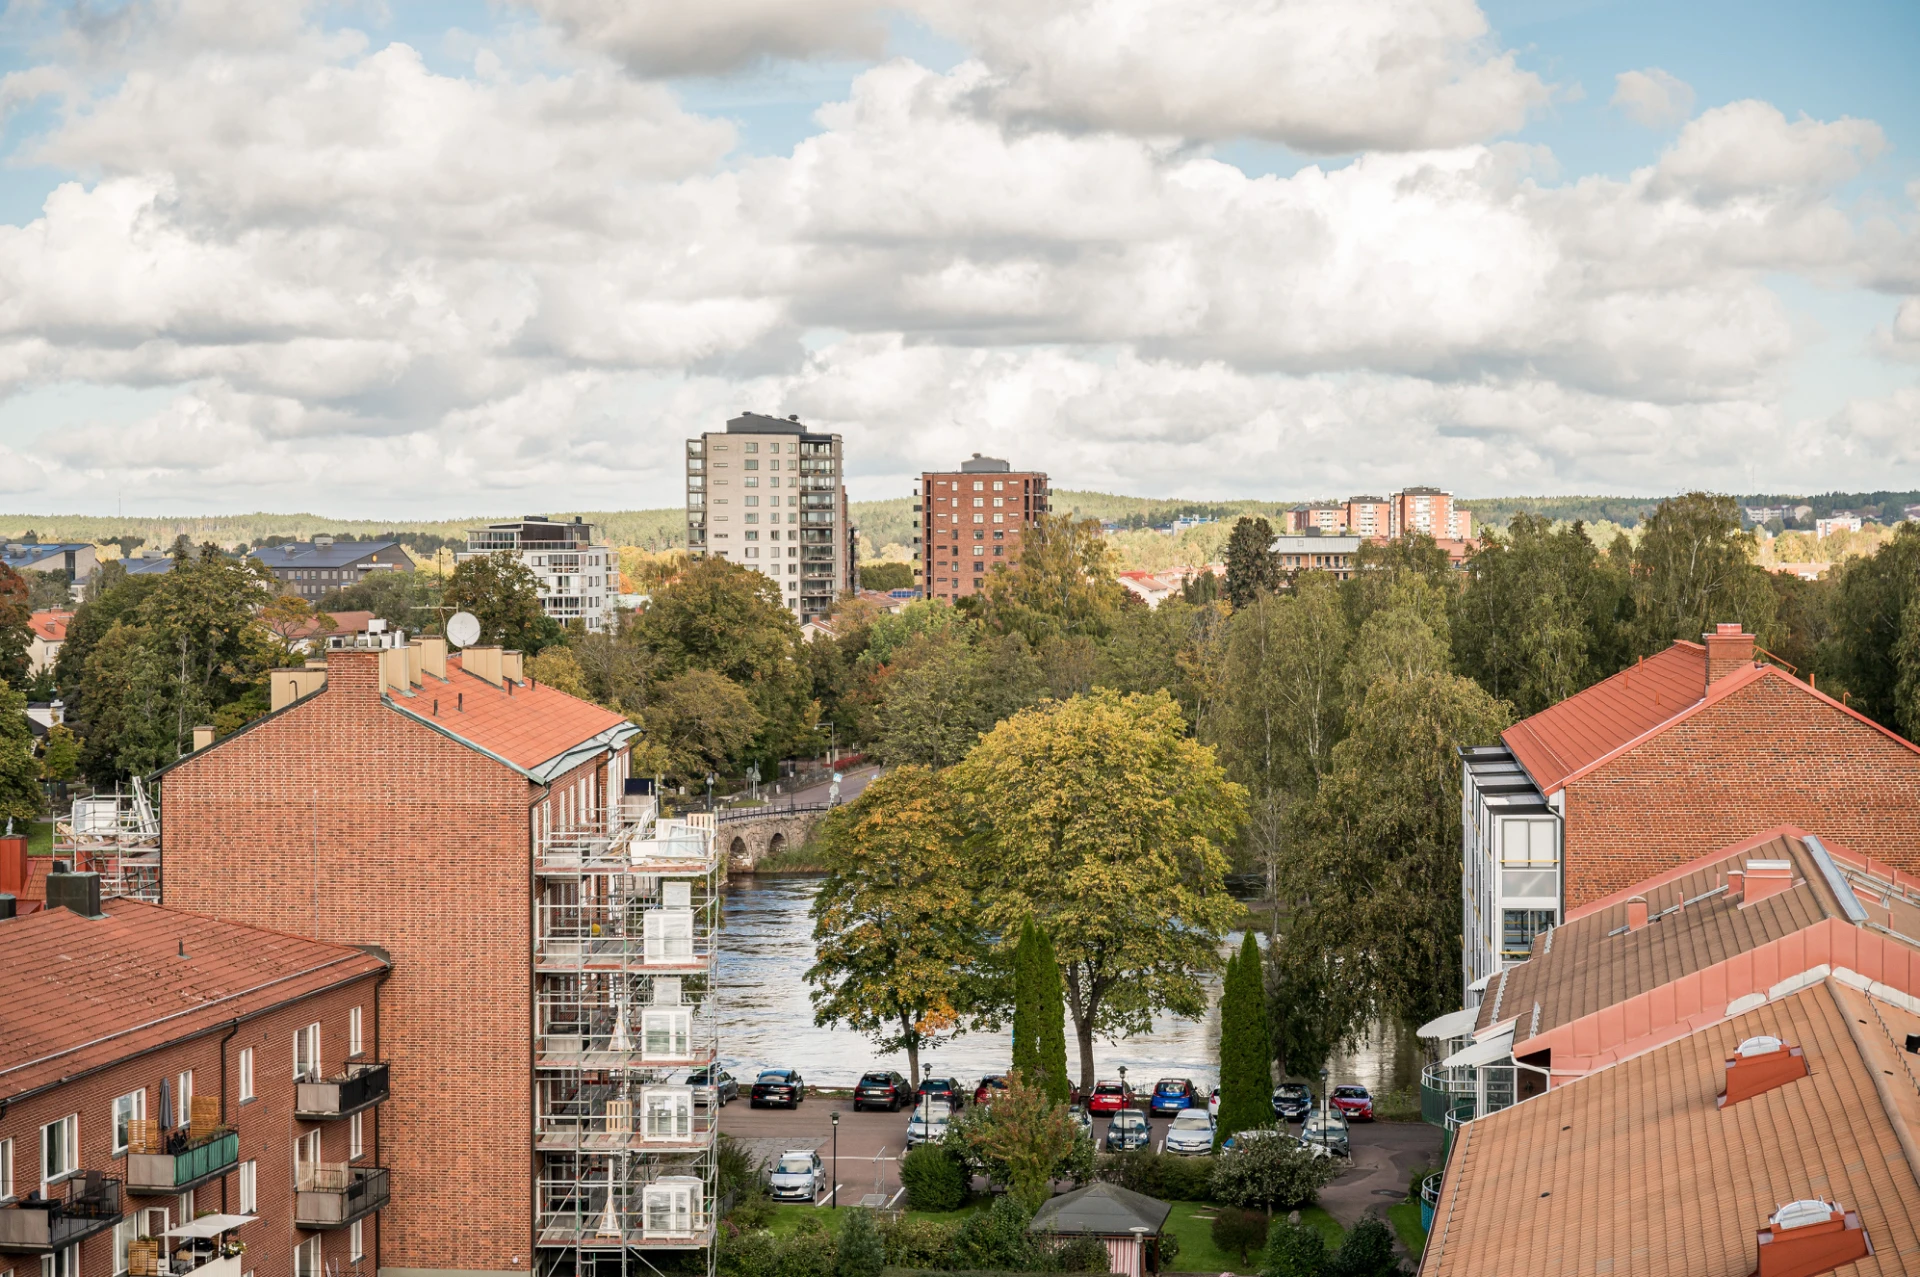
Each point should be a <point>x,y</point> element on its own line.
<point>233,1027</point>
<point>379,1119</point>
<point>533,1022</point>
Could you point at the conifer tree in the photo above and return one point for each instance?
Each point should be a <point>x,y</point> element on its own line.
<point>1245,1074</point>
<point>1026,1005</point>
<point>1052,1019</point>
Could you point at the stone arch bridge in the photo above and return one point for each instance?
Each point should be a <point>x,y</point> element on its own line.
<point>750,836</point>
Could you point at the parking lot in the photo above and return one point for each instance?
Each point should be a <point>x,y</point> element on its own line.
<point>1385,1154</point>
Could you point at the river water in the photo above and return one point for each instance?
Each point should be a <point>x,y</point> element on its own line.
<point>766,1017</point>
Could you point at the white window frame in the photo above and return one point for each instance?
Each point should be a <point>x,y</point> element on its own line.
<point>6,1174</point>
<point>183,1096</point>
<point>356,1137</point>
<point>354,1043</point>
<point>69,1137</point>
<point>356,1241</point>
<point>666,1114</point>
<point>246,1074</point>
<point>684,1202</point>
<point>306,1258</point>
<point>666,1033</point>
<point>669,935</point>
<point>249,1187</point>
<point>127,1109</point>
<point>306,1152</point>
<point>306,1053</point>
<point>123,1234</point>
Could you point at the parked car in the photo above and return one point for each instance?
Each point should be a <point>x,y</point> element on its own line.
<point>1292,1101</point>
<point>1191,1133</point>
<point>713,1087</point>
<point>1328,1130</point>
<point>1173,1095</point>
<point>882,1089</point>
<point>929,1122</point>
<point>983,1093</point>
<point>796,1176</point>
<point>1082,1119</point>
<point>778,1086</point>
<point>1354,1101</point>
<point>1240,1139</point>
<point>1213,1103</point>
<point>944,1089</point>
<point>1128,1128</point>
<point>1110,1097</point>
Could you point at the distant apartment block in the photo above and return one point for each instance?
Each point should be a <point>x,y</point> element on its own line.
<point>1327,519</point>
<point>1838,521</point>
<point>1335,554</point>
<point>77,559</point>
<point>973,520</point>
<point>770,495</point>
<point>1413,510</point>
<point>578,572</point>
<point>310,569</point>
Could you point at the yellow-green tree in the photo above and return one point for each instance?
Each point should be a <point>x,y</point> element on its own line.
<point>1063,584</point>
<point>1104,821</point>
<point>896,939</point>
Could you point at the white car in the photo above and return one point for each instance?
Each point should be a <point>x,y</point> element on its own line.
<point>929,1123</point>
<point>796,1176</point>
<point>1191,1133</point>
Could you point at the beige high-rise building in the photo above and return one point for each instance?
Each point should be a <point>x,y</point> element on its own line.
<point>769,494</point>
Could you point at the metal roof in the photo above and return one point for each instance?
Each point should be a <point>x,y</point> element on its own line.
<point>1104,1210</point>
<point>305,554</point>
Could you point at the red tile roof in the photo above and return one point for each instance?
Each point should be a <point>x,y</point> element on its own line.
<point>529,725</point>
<point>51,626</point>
<point>1581,730</point>
<point>343,623</point>
<point>83,992</point>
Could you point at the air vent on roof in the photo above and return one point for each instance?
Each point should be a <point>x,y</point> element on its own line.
<point>1759,1065</point>
<point>1808,1237</point>
<point>1767,878</point>
<point>1913,1044</point>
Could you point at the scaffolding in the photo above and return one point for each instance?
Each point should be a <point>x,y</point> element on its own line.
<point>627,912</point>
<point>116,836</point>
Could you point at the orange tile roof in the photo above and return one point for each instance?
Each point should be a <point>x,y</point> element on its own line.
<point>51,626</point>
<point>343,623</point>
<point>1635,1169</point>
<point>83,992</point>
<point>528,725</point>
<point>1587,726</point>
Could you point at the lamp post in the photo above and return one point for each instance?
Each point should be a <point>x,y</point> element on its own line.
<point>836,1160</point>
<point>1125,1095</point>
<point>710,791</point>
<point>1323,1106</point>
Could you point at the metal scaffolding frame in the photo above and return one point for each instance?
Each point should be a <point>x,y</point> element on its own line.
<point>116,836</point>
<point>626,913</point>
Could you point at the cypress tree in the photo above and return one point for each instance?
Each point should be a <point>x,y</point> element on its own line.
<point>1052,1004</point>
<point>1246,1076</point>
<point>1026,1005</point>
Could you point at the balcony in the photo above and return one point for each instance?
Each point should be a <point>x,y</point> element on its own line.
<point>35,1225</point>
<point>186,1163</point>
<point>361,1087</point>
<point>672,1212</point>
<point>334,1194</point>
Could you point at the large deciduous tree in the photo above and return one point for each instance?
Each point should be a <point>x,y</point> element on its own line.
<point>1873,652</point>
<point>1062,585</point>
<point>1694,568</point>
<point>503,594</point>
<point>16,613</point>
<point>19,771</point>
<point>1103,820</point>
<point>896,939</point>
<point>943,690</point>
<point>1252,568</point>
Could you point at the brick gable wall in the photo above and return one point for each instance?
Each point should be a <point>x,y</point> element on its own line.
<point>346,821</point>
<point>1769,754</point>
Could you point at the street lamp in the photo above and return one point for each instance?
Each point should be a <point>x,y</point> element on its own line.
<point>710,779</point>
<point>1125,1095</point>
<point>836,1160</point>
<point>1323,1106</point>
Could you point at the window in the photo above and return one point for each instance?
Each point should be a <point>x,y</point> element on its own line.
<point>306,1154</point>
<point>752,448</point>
<point>1518,927</point>
<point>246,1074</point>
<point>6,1171</point>
<point>65,1263</point>
<point>666,1033</point>
<point>306,1054</point>
<point>979,486</point>
<point>356,1240</point>
<point>249,1187</point>
<point>183,1094</point>
<point>187,1211</point>
<point>306,1258</point>
<point>752,481</point>
<point>997,486</point>
<point>356,1135</point>
<point>979,518</point>
<point>123,1234</point>
<point>668,1112</point>
<point>59,1148</point>
<point>354,1043</point>
<point>127,1110</point>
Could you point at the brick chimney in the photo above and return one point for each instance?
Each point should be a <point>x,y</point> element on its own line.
<point>1760,1064</point>
<point>1809,1237</point>
<point>1729,650</point>
<point>354,671</point>
<point>1636,912</point>
<point>1766,878</point>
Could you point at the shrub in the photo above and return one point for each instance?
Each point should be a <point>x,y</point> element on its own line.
<point>1175,1179</point>
<point>809,1252</point>
<point>1367,1252</point>
<point>861,1253</point>
<point>751,1211</point>
<point>1083,1254</point>
<point>736,1170</point>
<point>934,1179</point>
<point>747,1253</point>
<point>1270,1173</point>
<point>997,1238</point>
<point>1169,1249</point>
<point>1239,1232</point>
<point>1294,1250</point>
<point>918,1243</point>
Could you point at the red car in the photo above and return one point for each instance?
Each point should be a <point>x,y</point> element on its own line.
<point>1110,1097</point>
<point>1354,1103</point>
<point>983,1093</point>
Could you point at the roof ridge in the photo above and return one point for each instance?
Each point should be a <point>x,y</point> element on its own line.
<point>1869,1048</point>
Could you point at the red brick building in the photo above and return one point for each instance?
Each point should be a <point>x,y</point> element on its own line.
<point>972,520</point>
<point>472,825</point>
<point>162,1072</point>
<point>1695,748</point>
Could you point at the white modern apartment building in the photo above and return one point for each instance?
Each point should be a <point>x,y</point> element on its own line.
<point>769,494</point>
<point>579,574</point>
<point>1510,879</point>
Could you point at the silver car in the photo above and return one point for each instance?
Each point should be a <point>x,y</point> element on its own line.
<point>929,1123</point>
<point>796,1176</point>
<point>1327,1130</point>
<point>1191,1134</point>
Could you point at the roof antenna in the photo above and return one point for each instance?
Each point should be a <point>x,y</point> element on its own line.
<point>183,948</point>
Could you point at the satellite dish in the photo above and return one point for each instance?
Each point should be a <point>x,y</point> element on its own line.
<point>463,629</point>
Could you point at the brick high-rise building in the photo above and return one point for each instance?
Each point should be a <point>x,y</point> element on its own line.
<point>1429,511</point>
<point>1369,516</point>
<point>1694,748</point>
<point>770,495</point>
<point>190,1082</point>
<point>550,941</point>
<point>973,520</point>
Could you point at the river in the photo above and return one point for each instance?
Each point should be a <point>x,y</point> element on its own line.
<point>766,1017</point>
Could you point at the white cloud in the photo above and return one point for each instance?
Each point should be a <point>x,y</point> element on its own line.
<point>1901,338</point>
<point>678,37</point>
<point>1653,97</point>
<point>1750,148</point>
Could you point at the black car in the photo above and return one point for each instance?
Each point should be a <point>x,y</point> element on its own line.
<point>778,1086</point>
<point>882,1090</point>
<point>945,1090</point>
<point>713,1086</point>
<point>1292,1101</point>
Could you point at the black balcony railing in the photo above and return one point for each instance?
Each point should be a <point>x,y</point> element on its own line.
<point>35,1224</point>
<point>360,1087</point>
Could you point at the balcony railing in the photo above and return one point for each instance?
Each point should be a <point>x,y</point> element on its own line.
<point>186,1164</point>
<point>672,1212</point>
<point>334,1194</point>
<point>361,1087</point>
<point>1429,1200</point>
<point>1449,1097</point>
<point>40,1225</point>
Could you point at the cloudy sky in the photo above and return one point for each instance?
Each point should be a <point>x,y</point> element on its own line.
<point>446,257</point>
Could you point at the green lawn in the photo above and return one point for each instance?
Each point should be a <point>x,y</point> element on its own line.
<point>40,838</point>
<point>1191,1222</point>
<point>787,1215</point>
<point>1405,1218</point>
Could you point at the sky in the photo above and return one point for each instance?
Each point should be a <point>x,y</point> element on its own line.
<point>454,257</point>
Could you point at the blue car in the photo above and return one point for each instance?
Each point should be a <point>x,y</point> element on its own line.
<point>1174,1095</point>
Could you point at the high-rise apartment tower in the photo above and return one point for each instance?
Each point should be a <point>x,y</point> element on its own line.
<point>972,520</point>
